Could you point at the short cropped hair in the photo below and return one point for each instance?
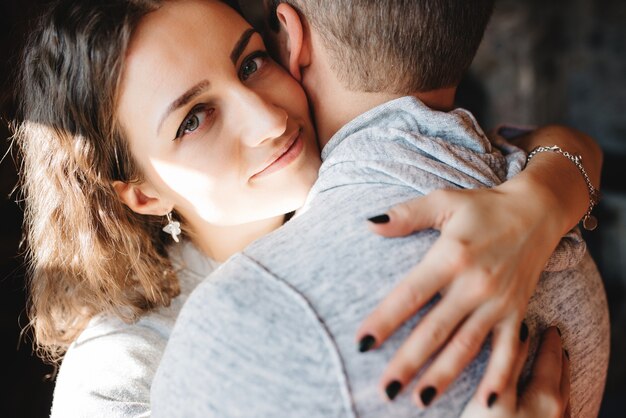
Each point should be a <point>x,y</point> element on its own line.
<point>396,46</point>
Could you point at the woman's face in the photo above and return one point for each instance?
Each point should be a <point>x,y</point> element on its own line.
<point>221,132</point>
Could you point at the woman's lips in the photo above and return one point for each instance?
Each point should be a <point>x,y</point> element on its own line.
<point>293,148</point>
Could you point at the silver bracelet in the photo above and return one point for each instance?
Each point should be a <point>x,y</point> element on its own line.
<point>589,221</point>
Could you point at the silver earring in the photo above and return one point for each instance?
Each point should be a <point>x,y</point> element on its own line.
<point>172,227</point>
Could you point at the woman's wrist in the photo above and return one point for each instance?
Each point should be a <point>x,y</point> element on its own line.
<point>589,221</point>
<point>541,202</point>
<point>559,181</point>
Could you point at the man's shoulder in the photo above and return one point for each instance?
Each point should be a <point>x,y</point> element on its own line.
<point>245,337</point>
<point>238,276</point>
<point>242,294</point>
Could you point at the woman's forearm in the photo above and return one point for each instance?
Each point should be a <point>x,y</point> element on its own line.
<point>555,180</point>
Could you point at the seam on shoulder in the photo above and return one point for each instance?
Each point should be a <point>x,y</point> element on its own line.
<point>325,334</point>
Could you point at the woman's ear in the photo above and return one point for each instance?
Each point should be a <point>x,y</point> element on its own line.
<point>141,198</point>
<point>297,50</point>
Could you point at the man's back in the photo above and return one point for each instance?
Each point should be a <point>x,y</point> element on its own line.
<point>271,333</point>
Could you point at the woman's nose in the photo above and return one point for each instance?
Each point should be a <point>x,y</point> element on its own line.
<point>259,119</point>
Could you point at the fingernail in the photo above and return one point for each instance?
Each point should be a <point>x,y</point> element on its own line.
<point>393,389</point>
<point>492,399</point>
<point>523,332</point>
<point>428,395</point>
<point>366,343</point>
<point>380,219</point>
<point>558,330</point>
<point>566,353</point>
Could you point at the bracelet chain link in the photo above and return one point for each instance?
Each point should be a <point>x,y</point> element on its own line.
<point>589,221</point>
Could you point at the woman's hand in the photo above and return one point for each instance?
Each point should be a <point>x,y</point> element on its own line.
<point>493,246</point>
<point>547,393</point>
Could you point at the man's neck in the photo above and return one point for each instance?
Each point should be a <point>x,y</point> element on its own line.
<point>336,110</point>
<point>333,106</point>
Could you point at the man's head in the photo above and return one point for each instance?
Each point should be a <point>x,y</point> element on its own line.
<point>394,46</point>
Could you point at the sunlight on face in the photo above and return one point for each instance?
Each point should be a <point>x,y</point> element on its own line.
<point>219,129</point>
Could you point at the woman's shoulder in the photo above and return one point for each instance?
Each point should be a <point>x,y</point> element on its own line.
<point>108,370</point>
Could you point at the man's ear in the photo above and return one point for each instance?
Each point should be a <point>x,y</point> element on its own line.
<point>141,198</point>
<point>297,46</point>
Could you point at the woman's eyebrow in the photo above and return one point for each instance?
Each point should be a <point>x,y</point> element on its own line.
<point>241,45</point>
<point>183,99</point>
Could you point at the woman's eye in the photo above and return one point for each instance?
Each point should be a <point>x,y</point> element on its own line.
<point>193,121</point>
<point>252,64</point>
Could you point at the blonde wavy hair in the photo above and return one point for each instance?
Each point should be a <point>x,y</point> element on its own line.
<point>87,253</point>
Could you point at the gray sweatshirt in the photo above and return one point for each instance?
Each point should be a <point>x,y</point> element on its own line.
<point>271,333</point>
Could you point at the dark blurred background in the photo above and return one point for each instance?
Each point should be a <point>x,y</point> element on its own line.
<point>541,62</point>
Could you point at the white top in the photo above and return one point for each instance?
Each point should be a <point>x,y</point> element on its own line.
<point>108,370</point>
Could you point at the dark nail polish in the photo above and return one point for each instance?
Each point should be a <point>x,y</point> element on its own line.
<point>380,219</point>
<point>366,343</point>
<point>393,389</point>
<point>428,395</point>
<point>566,354</point>
<point>558,330</point>
<point>523,332</point>
<point>492,399</point>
